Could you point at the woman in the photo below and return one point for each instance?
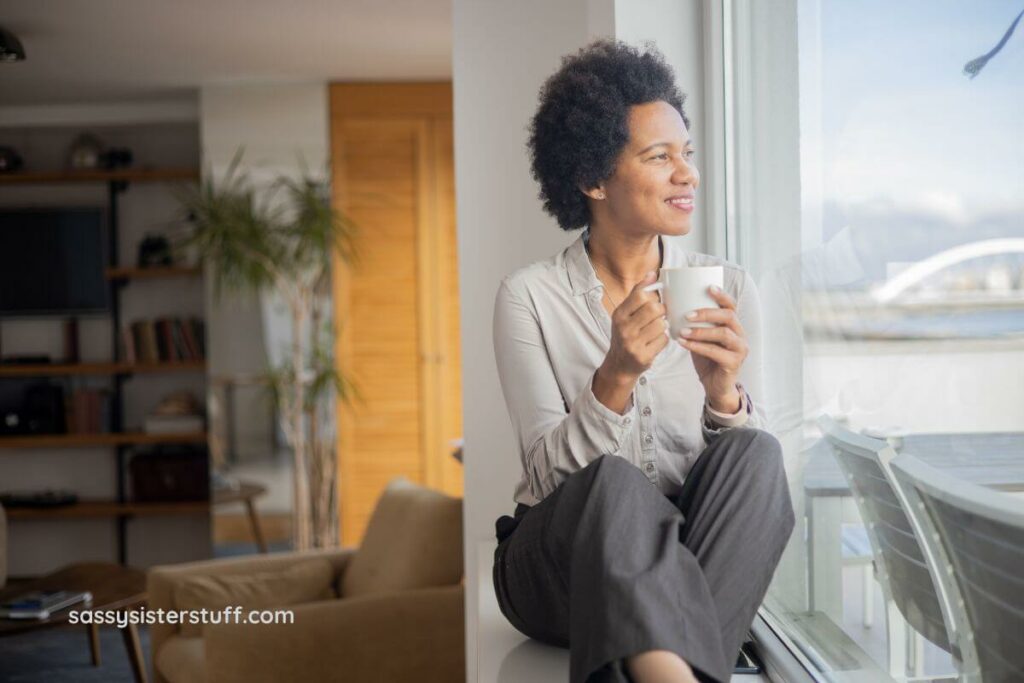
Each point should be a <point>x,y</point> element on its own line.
<point>651,512</point>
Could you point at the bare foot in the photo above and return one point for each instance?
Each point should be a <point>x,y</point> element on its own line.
<point>659,666</point>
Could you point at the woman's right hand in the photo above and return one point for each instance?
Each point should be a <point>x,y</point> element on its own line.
<point>638,334</point>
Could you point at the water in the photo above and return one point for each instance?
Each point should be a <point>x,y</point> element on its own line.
<point>961,325</point>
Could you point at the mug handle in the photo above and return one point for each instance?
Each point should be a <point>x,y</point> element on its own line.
<point>656,287</point>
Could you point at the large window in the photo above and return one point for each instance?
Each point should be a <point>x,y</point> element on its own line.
<point>901,284</point>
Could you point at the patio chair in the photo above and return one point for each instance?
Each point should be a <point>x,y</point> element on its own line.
<point>912,596</point>
<point>977,536</point>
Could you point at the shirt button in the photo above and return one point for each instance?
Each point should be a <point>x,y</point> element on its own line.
<point>649,467</point>
<point>643,380</point>
<point>647,411</point>
<point>648,439</point>
<point>626,421</point>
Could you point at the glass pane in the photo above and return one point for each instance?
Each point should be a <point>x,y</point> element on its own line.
<point>912,301</point>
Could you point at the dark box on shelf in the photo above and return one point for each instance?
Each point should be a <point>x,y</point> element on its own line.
<point>31,406</point>
<point>170,473</point>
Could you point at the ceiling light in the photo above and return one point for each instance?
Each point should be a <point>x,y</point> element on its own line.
<point>10,47</point>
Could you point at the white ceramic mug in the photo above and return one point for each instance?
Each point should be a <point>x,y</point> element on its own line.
<point>686,289</point>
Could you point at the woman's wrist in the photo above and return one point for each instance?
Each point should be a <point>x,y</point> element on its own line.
<point>613,389</point>
<point>726,402</point>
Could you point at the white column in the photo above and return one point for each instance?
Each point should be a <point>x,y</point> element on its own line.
<point>502,53</point>
<point>764,88</point>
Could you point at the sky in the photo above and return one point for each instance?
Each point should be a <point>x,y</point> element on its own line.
<point>903,127</point>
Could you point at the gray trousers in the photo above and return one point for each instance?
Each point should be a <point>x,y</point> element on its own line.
<point>609,567</point>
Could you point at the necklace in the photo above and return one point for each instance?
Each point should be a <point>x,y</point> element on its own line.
<point>608,294</point>
<point>586,247</point>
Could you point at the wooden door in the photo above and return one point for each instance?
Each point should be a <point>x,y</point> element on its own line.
<point>397,307</point>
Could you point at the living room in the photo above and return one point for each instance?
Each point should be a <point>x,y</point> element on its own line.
<point>146,393</point>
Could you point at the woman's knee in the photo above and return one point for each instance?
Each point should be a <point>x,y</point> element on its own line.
<point>764,459</point>
<point>757,448</point>
<point>617,469</point>
<point>613,480</point>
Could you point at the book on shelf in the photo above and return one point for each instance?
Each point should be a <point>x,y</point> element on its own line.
<point>173,424</point>
<point>163,340</point>
<point>127,346</point>
<point>88,411</point>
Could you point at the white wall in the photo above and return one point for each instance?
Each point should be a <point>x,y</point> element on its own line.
<point>279,127</point>
<point>502,54</point>
<point>675,28</point>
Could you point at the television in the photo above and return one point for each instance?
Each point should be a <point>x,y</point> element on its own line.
<point>52,262</point>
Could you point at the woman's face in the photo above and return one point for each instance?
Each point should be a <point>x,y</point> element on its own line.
<point>653,187</point>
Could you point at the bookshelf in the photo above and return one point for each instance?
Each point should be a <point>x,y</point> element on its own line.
<point>119,440</point>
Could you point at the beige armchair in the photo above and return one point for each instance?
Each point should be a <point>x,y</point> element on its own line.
<point>399,616</point>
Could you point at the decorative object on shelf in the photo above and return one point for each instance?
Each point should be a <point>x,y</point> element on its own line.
<point>85,152</point>
<point>31,407</point>
<point>10,160</point>
<point>282,239</point>
<point>11,49</point>
<point>154,250</point>
<point>177,413</point>
<point>170,473</point>
<point>116,157</point>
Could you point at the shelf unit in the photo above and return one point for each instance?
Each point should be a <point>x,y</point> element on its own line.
<point>98,509</point>
<point>114,368</point>
<point>99,440</point>
<point>118,277</point>
<point>99,176</point>
<point>92,509</point>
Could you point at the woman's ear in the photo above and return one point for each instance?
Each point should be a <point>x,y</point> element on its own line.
<point>593,192</point>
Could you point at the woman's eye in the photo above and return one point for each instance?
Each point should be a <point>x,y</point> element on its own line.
<point>690,153</point>
<point>661,156</point>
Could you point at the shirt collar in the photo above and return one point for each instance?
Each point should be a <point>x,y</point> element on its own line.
<point>583,278</point>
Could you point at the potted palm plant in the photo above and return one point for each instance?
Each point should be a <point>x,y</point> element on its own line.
<point>282,238</point>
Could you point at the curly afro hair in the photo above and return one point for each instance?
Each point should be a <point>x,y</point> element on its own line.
<point>582,122</point>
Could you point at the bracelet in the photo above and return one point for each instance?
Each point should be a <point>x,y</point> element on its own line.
<point>744,403</point>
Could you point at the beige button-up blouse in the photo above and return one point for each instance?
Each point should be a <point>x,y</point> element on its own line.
<point>551,333</point>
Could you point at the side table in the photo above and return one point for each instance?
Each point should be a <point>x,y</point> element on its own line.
<point>113,587</point>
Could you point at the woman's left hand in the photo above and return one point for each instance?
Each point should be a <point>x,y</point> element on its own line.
<point>718,352</point>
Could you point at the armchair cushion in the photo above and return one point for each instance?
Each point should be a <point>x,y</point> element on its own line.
<point>305,581</point>
<point>416,635</point>
<point>182,660</point>
<point>414,540</point>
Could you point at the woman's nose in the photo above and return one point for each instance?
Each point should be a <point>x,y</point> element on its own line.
<point>685,172</point>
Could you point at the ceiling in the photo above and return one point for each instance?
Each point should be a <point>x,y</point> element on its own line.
<point>96,51</point>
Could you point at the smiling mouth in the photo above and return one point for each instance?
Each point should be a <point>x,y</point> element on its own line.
<point>685,203</point>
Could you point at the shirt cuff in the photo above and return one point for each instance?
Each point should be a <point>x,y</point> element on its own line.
<point>716,419</point>
<point>606,427</point>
